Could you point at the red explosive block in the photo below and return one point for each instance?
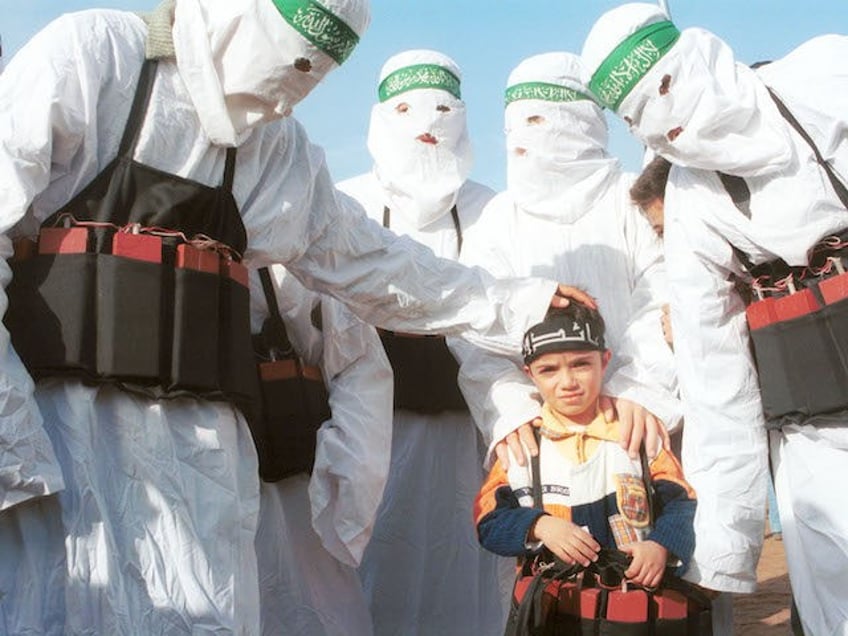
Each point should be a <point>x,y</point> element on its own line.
<point>63,240</point>
<point>235,271</point>
<point>189,257</point>
<point>140,247</point>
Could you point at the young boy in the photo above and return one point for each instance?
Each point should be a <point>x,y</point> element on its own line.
<point>593,493</point>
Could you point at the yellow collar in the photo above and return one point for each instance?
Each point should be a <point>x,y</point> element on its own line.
<point>555,426</point>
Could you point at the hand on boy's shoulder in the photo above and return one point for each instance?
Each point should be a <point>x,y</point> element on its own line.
<point>516,442</point>
<point>636,424</point>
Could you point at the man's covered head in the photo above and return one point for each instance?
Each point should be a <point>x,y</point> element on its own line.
<point>682,92</point>
<point>252,61</point>
<point>418,135</point>
<point>556,136</point>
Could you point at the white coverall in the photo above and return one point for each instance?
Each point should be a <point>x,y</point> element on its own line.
<point>313,529</point>
<point>730,123</point>
<point>567,214</point>
<point>154,530</point>
<point>424,571</point>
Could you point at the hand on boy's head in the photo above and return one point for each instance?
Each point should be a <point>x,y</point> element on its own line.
<point>564,292</point>
<point>648,564</point>
<point>637,423</point>
<point>512,442</point>
<point>568,541</point>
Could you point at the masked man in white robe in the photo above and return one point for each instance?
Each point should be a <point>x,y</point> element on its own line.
<point>566,211</point>
<point>127,509</point>
<point>315,518</point>
<point>746,189</point>
<point>423,571</point>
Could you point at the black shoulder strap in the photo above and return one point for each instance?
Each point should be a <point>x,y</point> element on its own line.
<point>229,170</point>
<point>387,219</point>
<point>132,129</point>
<point>139,108</point>
<point>838,186</point>
<point>646,477</point>
<point>458,227</point>
<point>279,336</point>
<point>739,192</point>
<point>536,470</point>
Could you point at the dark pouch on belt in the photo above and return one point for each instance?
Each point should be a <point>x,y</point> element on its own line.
<point>801,361</point>
<point>129,301</point>
<point>51,314</point>
<point>236,361</point>
<point>295,403</point>
<point>425,373</point>
<point>194,360</point>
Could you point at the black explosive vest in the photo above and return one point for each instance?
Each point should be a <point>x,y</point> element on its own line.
<point>798,316</point>
<point>122,287</point>
<point>424,368</point>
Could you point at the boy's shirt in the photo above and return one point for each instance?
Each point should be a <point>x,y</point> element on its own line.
<point>588,479</point>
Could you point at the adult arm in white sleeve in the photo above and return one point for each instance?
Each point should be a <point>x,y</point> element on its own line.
<point>647,374</point>
<point>499,394</point>
<point>48,126</point>
<point>724,448</point>
<point>354,446</point>
<point>390,281</point>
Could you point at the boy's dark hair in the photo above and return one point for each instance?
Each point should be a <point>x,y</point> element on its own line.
<point>650,185</point>
<point>572,328</point>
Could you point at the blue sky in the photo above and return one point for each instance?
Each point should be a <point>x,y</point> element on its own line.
<point>487,38</point>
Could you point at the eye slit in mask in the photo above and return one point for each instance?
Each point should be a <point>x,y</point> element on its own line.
<point>674,133</point>
<point>535,120</point>
<point>442,108</point>
<point>665,84</point>
<point>402,108</point>
<point>520,152</point>
<point>303,65</point>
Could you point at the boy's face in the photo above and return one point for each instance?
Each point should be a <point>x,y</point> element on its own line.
<point>570,381</point>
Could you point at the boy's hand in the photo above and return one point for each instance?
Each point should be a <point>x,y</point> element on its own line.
<point>648,565</point>
<point>568,541</point>
<point>523,433</point>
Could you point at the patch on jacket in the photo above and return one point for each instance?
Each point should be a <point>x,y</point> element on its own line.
<point>632,500</point>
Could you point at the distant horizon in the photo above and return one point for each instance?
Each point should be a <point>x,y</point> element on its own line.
<point>486,44</point>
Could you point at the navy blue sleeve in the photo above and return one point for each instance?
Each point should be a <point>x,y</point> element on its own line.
<point>674,525</point>
<point>504,530</point>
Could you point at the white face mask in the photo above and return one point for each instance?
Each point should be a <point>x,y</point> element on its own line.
<point>556,158</point>
<point>698,108</point>
<point>421,150</point>
<point>243,64</point>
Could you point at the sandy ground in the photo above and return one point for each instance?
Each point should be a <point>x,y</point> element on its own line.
<point>766,612</point>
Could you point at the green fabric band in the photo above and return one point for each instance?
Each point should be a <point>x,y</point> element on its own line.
<point>630,61</point>
<point>320,27</point>
<point>418,76</point>
<point>543,91</point>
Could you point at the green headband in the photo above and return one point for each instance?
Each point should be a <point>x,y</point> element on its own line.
<point>630,61</point>
<point>319,26</point>
<point>543,91</point>
<point>418,76</point>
